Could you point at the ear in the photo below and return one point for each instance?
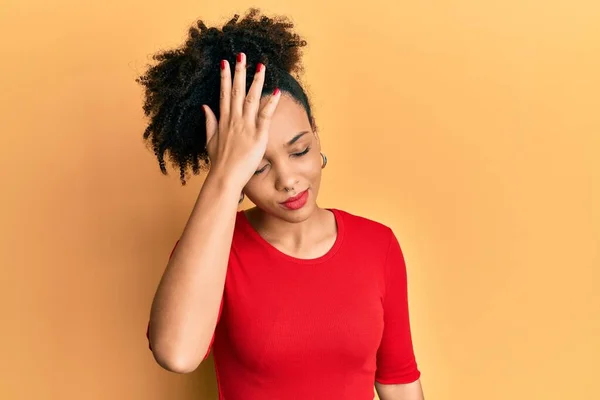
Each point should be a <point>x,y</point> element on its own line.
<point>315,129</point>
<point>318,144</point>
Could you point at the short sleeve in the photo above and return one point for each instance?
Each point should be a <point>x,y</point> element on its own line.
<point>396,362</point>
<point>218,318</point>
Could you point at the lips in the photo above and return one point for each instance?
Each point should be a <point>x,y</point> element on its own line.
<point>296,197</point>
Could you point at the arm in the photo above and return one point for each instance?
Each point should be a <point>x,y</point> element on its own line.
<point>397,376</point>
<point>405,391</point>
<point>185,309</point>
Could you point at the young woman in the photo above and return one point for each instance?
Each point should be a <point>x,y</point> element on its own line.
<point>296,301</point>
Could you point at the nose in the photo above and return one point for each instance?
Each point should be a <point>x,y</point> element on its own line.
<point>286,179</point>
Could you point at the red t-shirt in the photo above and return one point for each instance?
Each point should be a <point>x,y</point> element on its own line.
<point>323,328</point>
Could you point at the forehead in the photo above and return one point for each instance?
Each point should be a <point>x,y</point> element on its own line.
<point>289,119</point>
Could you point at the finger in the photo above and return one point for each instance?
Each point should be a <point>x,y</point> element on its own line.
<point>212,125</point>
<point>225,91</point>
<point>238,90</point>
<point>252,102</point>
<point>266,112</point>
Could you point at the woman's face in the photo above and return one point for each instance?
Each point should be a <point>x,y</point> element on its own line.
<point>292,161</point>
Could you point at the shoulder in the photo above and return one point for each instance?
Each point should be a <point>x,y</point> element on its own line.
<point>365,226</point>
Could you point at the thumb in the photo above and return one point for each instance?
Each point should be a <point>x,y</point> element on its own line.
<point>212,125</point>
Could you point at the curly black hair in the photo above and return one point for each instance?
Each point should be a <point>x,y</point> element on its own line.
<point>187,77</point>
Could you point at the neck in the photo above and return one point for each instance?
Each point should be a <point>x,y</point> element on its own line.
<point>291,235</point>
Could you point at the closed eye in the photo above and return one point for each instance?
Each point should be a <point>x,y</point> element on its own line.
<point>302,153</point>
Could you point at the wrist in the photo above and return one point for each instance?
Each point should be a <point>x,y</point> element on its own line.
<point>224,182</point>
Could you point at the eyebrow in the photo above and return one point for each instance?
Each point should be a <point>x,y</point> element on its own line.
<point>295,138</point>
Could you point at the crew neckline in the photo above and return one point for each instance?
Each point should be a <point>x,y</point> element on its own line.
<point>306,261</point>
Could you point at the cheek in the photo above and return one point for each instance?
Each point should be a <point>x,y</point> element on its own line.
<point>314,158</point>
<point>254,186</point>
<point>317,162</point>
<point>310,165</point>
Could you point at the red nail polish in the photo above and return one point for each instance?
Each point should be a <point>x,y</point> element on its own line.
<point>259,67</point>
<point>276,91</point>
<point>222,64</point>
<point>239,57</point>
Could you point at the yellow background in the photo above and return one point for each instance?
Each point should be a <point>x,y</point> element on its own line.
<point>470,127</point>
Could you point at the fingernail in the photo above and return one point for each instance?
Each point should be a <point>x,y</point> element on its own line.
<point>239,57</point>
<point>222,64</point>
<point>276,91</point>
<point>259,67</point>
